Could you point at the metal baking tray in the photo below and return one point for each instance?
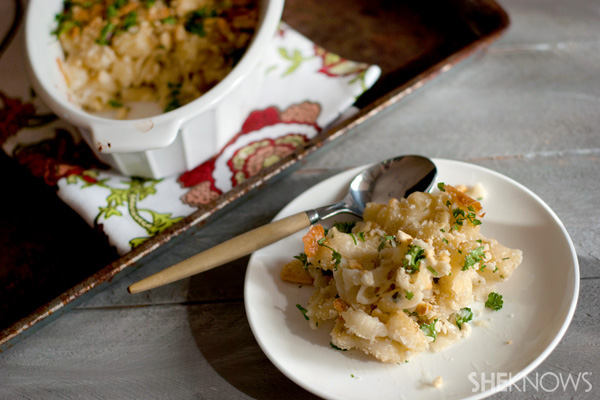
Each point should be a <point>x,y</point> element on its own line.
<point>43,241</point>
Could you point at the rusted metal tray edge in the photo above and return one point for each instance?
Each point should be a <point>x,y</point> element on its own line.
<point>119,268</point>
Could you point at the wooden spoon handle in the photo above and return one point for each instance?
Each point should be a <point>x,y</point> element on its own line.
<point>225,252</point>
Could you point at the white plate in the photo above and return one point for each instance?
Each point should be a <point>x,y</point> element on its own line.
<point>539,301</point>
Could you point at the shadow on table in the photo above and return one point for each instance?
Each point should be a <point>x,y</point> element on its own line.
<point>223,336</point>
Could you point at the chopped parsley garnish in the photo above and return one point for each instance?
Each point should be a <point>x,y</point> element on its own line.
<point>494,301</point>
<point>474,256</point>
<point>169,20</point>
<point>111,11</point>
<point>106,33</point>
<point>445,240</point>
<point>414,313</point>
<point>65,19</point>
<point>335,256</point>
<point>118,4</point>
<point>174,102</point>
<point>65,25</point>
<point>112,28</point>
<point>472,216</point>
<point>195,21</point>
<point>460,216</point>
<point>344,227</point>
<point>353,238</point>
<point>409,294</point>
<point>303,311</point>
<point>333,346</point>
<point>304,259</point>
<point>463,316</point>
<point>129,21</point>
<point>386,238</point>
<point>412,259</point>
<point>149,3</point>
<point>433,271</point>
<point>429,330</point>
<point>115,104</point>
<point>441,187</point>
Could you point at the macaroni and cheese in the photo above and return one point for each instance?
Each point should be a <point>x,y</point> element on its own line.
<point>170,52</point>
<point>402,281</point>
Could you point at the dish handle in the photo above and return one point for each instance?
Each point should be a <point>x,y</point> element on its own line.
<point>132,136</point>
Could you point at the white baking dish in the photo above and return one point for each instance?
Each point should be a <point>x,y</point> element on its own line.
<point>163,144</point>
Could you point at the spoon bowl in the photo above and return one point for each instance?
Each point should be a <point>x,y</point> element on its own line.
<point>393,178</point>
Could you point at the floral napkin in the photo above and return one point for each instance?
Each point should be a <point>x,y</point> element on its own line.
<point>306,88</point>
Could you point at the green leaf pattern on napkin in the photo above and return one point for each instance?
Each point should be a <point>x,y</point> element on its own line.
<point>139,189</point>
<point>332,64</point>
<point>295,58</point>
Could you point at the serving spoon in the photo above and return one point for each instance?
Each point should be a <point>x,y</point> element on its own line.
<point>393,178</point>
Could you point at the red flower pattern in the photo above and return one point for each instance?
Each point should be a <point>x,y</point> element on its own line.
<point>250,159</point>
<point>334,65</point>
<point>58,158</point>
<point>14,116</point>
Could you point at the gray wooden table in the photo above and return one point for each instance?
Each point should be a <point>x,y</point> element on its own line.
<point>529,108</point>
